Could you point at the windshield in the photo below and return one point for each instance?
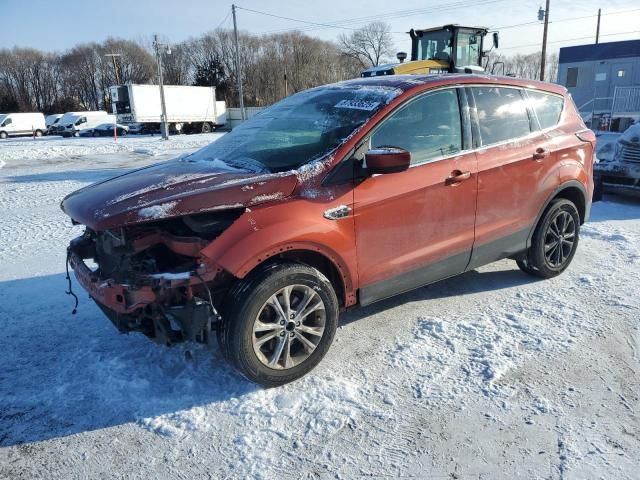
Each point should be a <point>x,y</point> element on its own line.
<point>299,129</point>
<point>435,45</point>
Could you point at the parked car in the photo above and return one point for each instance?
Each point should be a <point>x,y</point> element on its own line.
<point>618,167</point>
<point>52,120</point>
<point>18,124</point>
<point>75,123</point>
<point>105,130</point>
<point>333,198</point>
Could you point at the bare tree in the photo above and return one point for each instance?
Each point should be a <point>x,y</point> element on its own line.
<point>369,44</point>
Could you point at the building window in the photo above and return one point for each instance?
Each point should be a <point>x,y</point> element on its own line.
<point>620,73</point>
<point>601,77</point>
<point>572,77</point>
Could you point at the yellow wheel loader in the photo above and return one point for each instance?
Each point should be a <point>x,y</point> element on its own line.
<point>447,49</point>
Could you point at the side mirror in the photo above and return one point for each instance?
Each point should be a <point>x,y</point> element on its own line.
<point>387,160</point>
<point>496,39</point>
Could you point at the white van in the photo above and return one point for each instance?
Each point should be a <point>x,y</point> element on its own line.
<point>52,120</point>
<point>14,124</point>
<point>71,124</point>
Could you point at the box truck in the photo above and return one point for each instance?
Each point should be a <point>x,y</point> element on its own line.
<point>189,109</point>
<point>15,124</point>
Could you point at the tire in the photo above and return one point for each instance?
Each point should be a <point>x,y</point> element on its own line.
<point>206,127</point>
<point>96,134</point>
<point>76,134</point>
<point>38,133</point>
<point>3,135</point>
<point>251,303</point>
<point>555,241</point>
<point>598,188</point>
<point>123,133</point>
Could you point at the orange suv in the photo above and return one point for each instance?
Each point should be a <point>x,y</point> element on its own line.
<point>335,197</point>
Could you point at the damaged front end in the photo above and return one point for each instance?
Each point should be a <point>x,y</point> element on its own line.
<point>151,278</point>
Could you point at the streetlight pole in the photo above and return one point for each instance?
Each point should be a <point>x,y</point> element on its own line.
<point>164,128</point>
<point>598,26</point>
<point>543,60</point>
<point>238,69</point>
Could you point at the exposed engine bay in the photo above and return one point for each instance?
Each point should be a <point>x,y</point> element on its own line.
<point>152,278</point>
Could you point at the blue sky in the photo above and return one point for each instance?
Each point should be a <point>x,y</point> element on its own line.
<point>60,24</point>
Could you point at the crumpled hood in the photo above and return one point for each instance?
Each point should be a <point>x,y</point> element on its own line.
<point>173,189</point>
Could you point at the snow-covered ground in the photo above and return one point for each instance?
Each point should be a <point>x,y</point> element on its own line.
<point>489,375</point>
<point>18,149</point>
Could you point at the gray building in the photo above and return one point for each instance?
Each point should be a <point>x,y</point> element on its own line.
<point>604,80</point>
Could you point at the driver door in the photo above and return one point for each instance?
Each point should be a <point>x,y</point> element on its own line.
<point>417,226</point>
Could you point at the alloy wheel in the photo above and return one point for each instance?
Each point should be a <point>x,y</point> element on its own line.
<point>559,239</point>
<point>289,327</point>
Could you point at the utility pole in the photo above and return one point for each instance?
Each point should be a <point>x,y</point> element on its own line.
<point>116,71</point>
<point>164,128</point>
<point>543,60</point>
<point>286,81</point>
<point>598,27</point>
<point>238,69</point>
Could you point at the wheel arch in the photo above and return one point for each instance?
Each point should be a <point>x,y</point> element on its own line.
<point>316,256</point>
<point>575,192</point>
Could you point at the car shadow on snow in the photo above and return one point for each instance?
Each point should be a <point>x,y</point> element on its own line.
<point>467,283</point>
<point>64,374</point>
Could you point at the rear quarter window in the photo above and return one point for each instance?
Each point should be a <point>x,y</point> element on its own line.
<point>548,107</point>
<point>502,114</point>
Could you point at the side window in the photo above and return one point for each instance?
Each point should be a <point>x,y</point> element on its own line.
<point>502,114</point>
<point>548,107</point>
<point>429,127</point>
<point>7,121</point>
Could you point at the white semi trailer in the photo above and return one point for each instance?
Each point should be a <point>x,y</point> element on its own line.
<point>189,109</point>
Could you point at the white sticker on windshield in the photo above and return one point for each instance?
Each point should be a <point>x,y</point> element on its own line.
<point>357,104</point>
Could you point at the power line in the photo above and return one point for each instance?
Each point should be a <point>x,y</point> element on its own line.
<point>568,19</point>
<point>571,39</point>
<point>341,24</point>
<point>224,20</point>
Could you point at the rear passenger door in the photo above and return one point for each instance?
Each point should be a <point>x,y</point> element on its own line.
<point>516,171</point>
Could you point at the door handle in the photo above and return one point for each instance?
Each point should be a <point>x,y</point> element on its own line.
<point>540,154</point>
<point>456,177</point>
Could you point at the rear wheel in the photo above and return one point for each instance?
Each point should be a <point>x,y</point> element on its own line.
<point>206,127</point>
<point>278,323</point>
<point>554,242</point>
<point>38,133</point>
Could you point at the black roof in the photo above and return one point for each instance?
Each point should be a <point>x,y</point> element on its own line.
<point>600,51</point>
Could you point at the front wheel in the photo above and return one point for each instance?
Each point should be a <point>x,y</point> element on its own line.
<point>554,241</point>
<point>3,135</point>
<point>279,323</point>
